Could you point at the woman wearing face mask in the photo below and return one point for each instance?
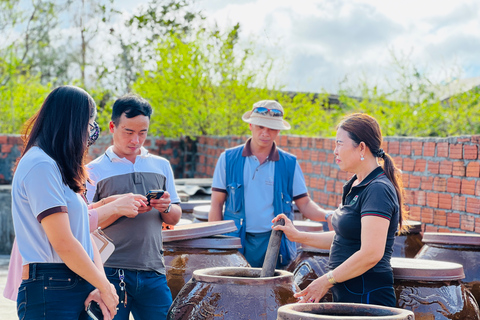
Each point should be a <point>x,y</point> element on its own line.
<point>61,265</point>
<point>364,224</point>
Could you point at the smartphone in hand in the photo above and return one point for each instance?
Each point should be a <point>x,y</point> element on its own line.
<point>94,311</point>
<point>154,194</point>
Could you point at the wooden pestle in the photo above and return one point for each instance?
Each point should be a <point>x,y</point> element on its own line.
<point>273,248</point>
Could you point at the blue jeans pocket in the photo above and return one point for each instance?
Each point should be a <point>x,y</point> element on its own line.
<point>60,283</point>
<point>22,302</point>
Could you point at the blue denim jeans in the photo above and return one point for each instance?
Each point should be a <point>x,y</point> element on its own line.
<point>52,291</point>
<point>148,296</point>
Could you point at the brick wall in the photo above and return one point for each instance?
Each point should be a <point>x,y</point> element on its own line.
<point>441,175</point>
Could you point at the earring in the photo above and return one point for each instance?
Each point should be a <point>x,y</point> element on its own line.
<point>362,158</point>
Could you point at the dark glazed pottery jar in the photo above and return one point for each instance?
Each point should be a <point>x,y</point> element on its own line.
<point>310,264</point>
<point>459,248</point>
<point>182,258</point>
<point>433,290</point>
<point>233,293</point>
<point>408,243</point>
<point>345,311</point>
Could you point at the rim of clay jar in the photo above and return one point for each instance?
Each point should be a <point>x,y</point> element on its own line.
<point>297,311</point>
<point>451,238</point>
<point>240,275</point>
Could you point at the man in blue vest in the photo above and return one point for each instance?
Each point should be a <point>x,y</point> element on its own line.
<point>257,181</point>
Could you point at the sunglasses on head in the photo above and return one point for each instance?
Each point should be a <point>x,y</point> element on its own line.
<point>264,111</point>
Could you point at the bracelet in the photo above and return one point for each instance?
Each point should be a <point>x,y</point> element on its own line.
<point>330,278</point>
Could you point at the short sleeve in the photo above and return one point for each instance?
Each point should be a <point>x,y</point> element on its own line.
<point>379,200</point>
<point>299,187</point>
<point>45,190</point>
<point>219,182</point>
<point>170,184</point>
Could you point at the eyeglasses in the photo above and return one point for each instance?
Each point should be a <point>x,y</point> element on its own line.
<point>272,112</point>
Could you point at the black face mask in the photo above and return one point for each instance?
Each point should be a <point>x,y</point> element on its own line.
<point>94,133</point>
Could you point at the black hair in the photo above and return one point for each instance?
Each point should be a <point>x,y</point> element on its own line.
<point>60,128</point>
<point>132,105</point>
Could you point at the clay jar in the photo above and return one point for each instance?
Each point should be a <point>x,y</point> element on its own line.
<point>433,289</point>
<point>459,248</point>
<point>233,293</point>
<point>182,258</point>
<point>408,243</point>
<point>200,213</point>
<point>345,311</point>
<point>310,264</point>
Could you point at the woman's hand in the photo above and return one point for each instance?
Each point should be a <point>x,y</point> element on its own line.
<point>95,296</point>
<point>289,229</point>
<point>128,204</point>
<point>315,290</point>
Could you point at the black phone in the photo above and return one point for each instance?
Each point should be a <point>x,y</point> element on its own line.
<point>94,311</point>
<point>154,194</point>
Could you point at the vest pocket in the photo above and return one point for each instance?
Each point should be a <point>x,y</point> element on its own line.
<point>286,203</point>
<point>234,203</point>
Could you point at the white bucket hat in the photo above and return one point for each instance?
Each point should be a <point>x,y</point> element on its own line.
<point>267,113</point>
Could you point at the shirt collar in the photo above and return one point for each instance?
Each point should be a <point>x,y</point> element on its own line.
<point>112,156</point>
<point>377,172</point>
<point>273,156</point>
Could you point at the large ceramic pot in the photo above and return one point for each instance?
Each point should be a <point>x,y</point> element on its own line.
<point>233,293</point>
<point>408,243</point>
<point>459,248</point>
<point>345,311</point>
<point>182,258</point>
<point>310,264</point>
<point>433,290</point>
<point>200,213</point>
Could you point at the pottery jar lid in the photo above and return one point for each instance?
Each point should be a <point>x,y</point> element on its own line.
<point>426,270</point>
<point>308,226</point>
<point>451,238</point>
<point>188,206</point>
<point>201,212</point>
<point>213,242</point>
<point>198,230</point>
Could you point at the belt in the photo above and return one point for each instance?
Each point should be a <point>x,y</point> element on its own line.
<point>30,270</point>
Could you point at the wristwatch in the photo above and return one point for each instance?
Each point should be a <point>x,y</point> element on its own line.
<point>168,208</point>
<point>328,214</point>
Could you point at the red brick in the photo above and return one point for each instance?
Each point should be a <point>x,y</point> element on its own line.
<point>417,147</point>
<point>393,147</point>
<point>445,201</point>
<point>445,167</point>
<point>420,198</point>
<point>398,162</point>
<point>442,149</point>
<point>338,187</point>
<point>317,169</point>
<point>458,169</point>
<point>420,165</point>
<point>431,229</point>
<point>439,184</point>
<point>405,148</point>
<point>456,151</point>
<point>414,182</point>
<point>405,180</point>
<point>328,144</point>
<point>331,159</point>
<point>440,217</point>
<point>322,156</point>
<point>6,148</point>
<point>470,152</point>
<point>326,171</point>
<point>473,169</point>
<point>477,225</point>
<point>458,203</point>
<point>468,223</point>
<point>320,183</point>
<point>477,189</point>
<point>294,141</point>
<point>433,167</point>
<point>429,149</point>
<point>427,183</point>
<point>309,168</point>
<point>432,199</point>
<point>305,142</point>
<point>444,230</point>
<point>473,205</point>
<point>331,185</point>
<point>334,173</point>
<point>409,196</point>
<point>408,164</point>
<point>332,200</point>
<point>3,139</point>
<point>414,213</point>
<point>468,187</point>
<point>427,215</point>
<point>453,220</point>
<point>453,185</point>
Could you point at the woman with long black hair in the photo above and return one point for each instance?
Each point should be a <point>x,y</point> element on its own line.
<point>364,224</point>
<point>61,265</point>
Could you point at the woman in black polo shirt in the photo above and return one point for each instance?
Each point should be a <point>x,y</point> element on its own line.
<point>364,224</point>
